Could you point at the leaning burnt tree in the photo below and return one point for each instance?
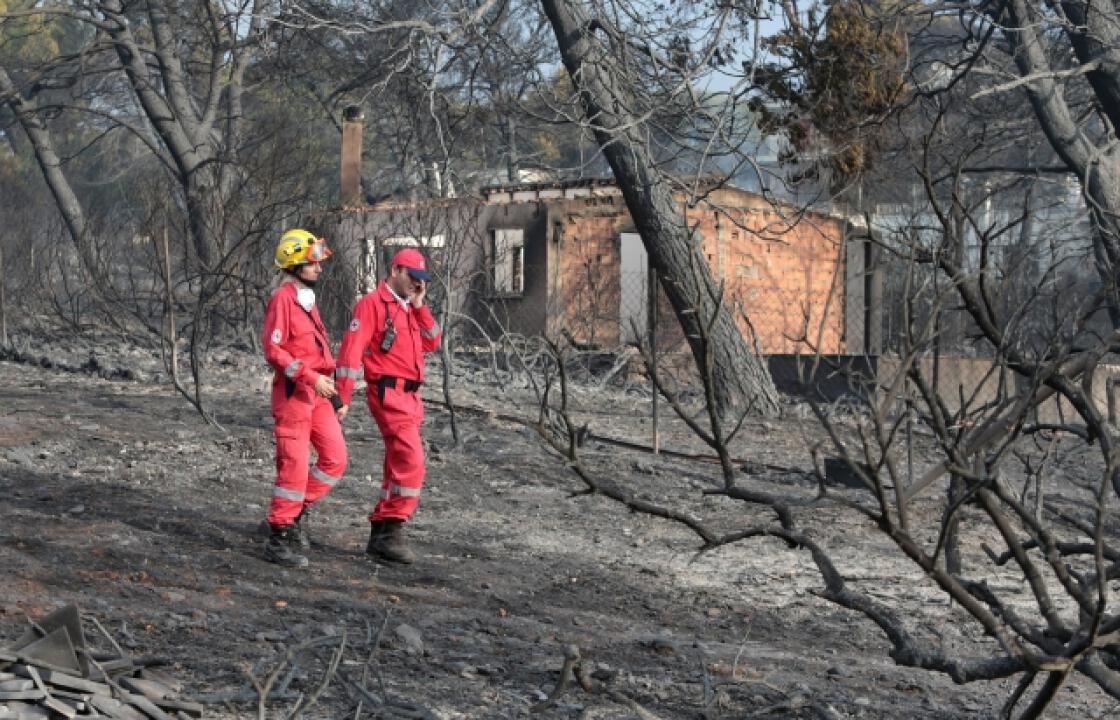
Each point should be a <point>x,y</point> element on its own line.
<point>592,50</point>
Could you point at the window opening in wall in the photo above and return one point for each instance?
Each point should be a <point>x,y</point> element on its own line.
<point>380,252</point>
<point>516,265</point>
<point>507,253</point>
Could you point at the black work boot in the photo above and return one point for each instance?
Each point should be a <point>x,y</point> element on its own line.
<point>278,549</point>
<point>386,542</point>
<point>376,527</point>
<point>297,533</point>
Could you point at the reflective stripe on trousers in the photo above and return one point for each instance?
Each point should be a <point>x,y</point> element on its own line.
<point>304,421</point>
<point>287,494</point>
<point>395,489</point>
<point>328,480</point>
<point>398,417</point>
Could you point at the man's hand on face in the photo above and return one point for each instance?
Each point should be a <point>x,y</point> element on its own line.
<point>419,290</point>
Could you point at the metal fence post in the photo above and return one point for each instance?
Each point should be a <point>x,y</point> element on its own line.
<point>3,303</point>
<point>651,315</point>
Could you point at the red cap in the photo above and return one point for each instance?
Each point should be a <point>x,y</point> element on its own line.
<point>412,260</point>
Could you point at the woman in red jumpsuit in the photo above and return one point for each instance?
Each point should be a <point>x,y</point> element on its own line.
<point>304,398</point>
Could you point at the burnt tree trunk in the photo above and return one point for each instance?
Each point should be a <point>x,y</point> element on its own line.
<point>1097,164</point>
<point>740,378</point>
<point>27,112</point>
<point>953,563</point>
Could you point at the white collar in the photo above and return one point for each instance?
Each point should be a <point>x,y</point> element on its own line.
<point>403,301</point>
<point>305,296</point>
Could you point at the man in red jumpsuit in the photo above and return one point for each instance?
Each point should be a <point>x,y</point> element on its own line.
<point>304,398</point>
<point>390,331</point>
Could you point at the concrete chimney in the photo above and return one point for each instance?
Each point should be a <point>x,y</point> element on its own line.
<point>350,186</point>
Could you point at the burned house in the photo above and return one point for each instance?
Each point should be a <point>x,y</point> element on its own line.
<point>564,258</point>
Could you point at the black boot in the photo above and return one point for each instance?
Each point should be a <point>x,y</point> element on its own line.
<point>278,549</point>
<point>297,533</point>
<point>376,527</point>
<point>386,542</point>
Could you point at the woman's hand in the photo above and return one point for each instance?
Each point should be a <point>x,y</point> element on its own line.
<point>324,386</point>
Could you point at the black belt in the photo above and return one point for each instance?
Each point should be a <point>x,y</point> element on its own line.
<point>388,381</point>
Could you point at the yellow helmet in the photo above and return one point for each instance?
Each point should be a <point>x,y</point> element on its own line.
<point>299,247</point>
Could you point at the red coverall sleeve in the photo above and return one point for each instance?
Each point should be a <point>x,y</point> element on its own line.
<point>429,329</point>
<point>275,335</point>
<point>358,335</point>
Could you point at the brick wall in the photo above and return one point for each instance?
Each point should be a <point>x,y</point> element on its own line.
<point>585,285</point>
<point>783,272</point>
<point>783,275</point>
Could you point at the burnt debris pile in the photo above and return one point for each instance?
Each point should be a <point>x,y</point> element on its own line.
<point>50,672</point>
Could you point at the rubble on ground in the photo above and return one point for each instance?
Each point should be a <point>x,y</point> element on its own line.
<point>49,673</point>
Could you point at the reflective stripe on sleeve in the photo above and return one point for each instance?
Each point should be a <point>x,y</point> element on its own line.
<point>347,372</point>
<point>293,368</point>
<point>323,477</point>
<point>431,332</point>
<point>287,494</point>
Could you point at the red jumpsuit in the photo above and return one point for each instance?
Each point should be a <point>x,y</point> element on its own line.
<point>392,390</point>
<point>295,345</point>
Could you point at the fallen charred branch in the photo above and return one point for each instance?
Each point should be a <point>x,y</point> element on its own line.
<point>573,670</point>
<point>1042,652</point>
